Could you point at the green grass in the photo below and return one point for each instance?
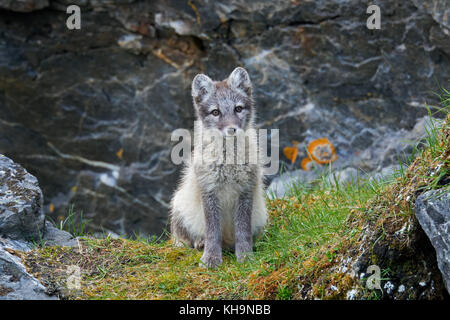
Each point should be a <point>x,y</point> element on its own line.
<point>306,232</point>
<point>74,223</point>
<point>299,254</point>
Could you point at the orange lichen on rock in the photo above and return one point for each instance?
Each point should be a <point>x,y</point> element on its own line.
<point>119,154</point>
<point>322,151</point>
<point>307,164</point>
<point>291,152</point>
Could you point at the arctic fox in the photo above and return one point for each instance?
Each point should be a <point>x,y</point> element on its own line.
<point>220,204</point>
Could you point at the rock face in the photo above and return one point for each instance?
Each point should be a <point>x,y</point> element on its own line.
<point>439,9</point>
<point>21,202</point>
<point>90,111</point>
<point>22,224</point>
<point>433,213</point>
<point>23,5</point>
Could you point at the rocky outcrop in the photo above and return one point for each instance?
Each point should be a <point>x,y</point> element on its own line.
<point>433,213</point>
<point>22,226</point>
<point>438,9</point>
<point>396,252</point>
<point>23,5</point>
<point>90,111</point>
<point>21,202</point>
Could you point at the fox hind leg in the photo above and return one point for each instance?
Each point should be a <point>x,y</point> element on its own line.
<point>199,244</point>
<point>179,233</point>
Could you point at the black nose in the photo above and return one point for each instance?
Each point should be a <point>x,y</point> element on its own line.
<point>231,131</point>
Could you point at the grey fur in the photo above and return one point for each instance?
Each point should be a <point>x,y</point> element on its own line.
<point>227,193</point>
<point>180,232</point>
<point>243,229</point>
<point>212,254</point>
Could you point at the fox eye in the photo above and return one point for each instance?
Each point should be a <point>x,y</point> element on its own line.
<point>238,109</point>
<point>215,112</point>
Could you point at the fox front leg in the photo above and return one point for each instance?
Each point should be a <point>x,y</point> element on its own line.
<point>243,227</point>
<point>212,254</point>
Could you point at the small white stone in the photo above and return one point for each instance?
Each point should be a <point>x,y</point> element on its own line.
<point>130,41</point>
<point>351,295</point>
<point>107,179</point>
<point>401,47</point>
<point>389,286</point>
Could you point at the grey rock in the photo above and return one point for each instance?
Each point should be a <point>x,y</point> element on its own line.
<point>23,5</point>
<point>56,237</point>
<point>347,175</point>
<point>22,225</point>
<point>21,215</point>
<point>15,282</point>
<point>91,114</point>
<point>438,9</point>
<point>20,245</point>
<point>285,184</point>
<point>387,173</point>
<point>392,146</point>
<point>432,210</point>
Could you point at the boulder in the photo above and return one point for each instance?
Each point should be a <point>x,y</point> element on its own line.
<point>21,202</point>
<point>23,226</point>
<point>433,213</point>
<point>56,237</point>
<point>21,214</point>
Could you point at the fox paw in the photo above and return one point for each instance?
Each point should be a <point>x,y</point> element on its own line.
<point>210,261</point>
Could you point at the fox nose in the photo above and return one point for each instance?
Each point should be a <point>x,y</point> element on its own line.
<point>230,131</point>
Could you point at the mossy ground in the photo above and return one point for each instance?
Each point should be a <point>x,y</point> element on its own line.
<point>306,251</point>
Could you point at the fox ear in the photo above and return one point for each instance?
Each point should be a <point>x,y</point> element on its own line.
<point>239,79</point>
<point>202,87</point>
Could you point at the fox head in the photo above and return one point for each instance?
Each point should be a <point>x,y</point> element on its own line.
<point>224,105</point>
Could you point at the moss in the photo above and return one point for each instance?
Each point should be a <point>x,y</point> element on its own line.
<point>4,290</point>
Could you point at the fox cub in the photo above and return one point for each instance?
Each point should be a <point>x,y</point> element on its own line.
<point>220,204</point>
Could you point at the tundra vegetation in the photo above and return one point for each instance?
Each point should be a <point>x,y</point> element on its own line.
<point>309,249</point>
